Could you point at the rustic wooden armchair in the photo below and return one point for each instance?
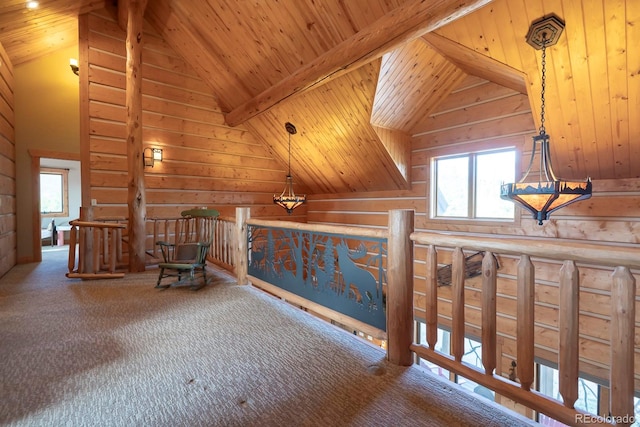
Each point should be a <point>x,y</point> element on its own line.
<point>184,261</point>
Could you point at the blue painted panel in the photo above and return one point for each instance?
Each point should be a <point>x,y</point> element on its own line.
<point>344,273</point>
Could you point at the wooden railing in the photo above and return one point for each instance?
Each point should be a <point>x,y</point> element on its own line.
<point>99,250</point>
<point>102,243</point>
<point>180,229</point>
<point>222,251</point>
<point>399,293</point>
<point>623,296</point>
<point>399,276</point>
<point>230,250</point>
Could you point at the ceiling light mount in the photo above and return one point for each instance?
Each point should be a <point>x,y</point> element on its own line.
<point>545,32</point>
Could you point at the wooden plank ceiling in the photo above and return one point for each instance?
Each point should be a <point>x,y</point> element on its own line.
<point>28,33</point>
<point>244,49</point>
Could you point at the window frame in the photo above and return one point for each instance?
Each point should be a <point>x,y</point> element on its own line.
<point>64,173</point>
<point>471,185</point>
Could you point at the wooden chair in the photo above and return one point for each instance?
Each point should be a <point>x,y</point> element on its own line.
<point>188,256</point>
<point>184,259</point>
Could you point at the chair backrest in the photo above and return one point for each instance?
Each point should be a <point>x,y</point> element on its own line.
<point>186,252</point>
<point>197,225</point>
<point>191,253</point>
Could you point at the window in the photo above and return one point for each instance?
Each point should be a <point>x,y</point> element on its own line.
<point>468,186</point>
<point>54,199</point>
<point>549,385</point>
<point>442,345</point>
<point>472,356</point>
<point>547,378</point>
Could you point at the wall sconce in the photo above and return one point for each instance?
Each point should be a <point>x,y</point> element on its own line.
<point>73,63</point>
<point>151,155</point>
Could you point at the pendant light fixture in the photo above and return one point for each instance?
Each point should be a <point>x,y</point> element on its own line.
<point>549,193</point>
<point>288,198</point>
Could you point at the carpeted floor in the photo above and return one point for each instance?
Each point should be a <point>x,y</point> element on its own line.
<point>121,353</point>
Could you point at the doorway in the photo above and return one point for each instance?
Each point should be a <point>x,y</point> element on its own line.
<point>67,165</point>
<point>60,200</point>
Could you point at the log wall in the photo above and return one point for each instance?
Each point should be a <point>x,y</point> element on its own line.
<point>8,227</point>
<point>481,115</point>
<point>205,162</point>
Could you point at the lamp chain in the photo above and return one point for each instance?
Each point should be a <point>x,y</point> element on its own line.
<point>544,78</point>
<point>289,154</point>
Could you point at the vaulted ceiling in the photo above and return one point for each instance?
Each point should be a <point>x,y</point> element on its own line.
<point>358,78</point>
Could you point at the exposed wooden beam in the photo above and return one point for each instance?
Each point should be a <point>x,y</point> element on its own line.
<point>477,64</point>
<point>123,11</point>
<point>402,24</point>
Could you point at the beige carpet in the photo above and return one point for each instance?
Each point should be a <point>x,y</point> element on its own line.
<point>121,353</point>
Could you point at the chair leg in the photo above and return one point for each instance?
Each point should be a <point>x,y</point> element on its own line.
<point>160,279</point>
<point>194,285</point>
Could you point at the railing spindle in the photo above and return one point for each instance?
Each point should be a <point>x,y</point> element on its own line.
<point>489,289</point>
<point>118,244</point>
<point>569,328</point>
<point>112,257</point>
<point>525,325</point>
<point>96,252</point>
<point>105,246</point>
<point>81,252</point>
<point>156,237</point>
<point>432,296</point>
<point>623,313</point>
<point>457,295</point>
<point>73,236</point>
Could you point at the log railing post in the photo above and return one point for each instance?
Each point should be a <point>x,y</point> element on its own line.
<point>568,328</point>
<point>623,314</point>
<point>242,237</point>
<point>136,194</point>
<point>400,287</point>
<point>73,240</point>
<point>525,325</point>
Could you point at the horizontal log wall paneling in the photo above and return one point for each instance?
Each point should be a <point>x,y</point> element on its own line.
<point>477,116</point>
<point>205,162</point>
<point>8,227</point>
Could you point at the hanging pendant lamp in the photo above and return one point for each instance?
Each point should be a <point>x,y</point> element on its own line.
<point>288,199</point>
<point>549,193</point>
